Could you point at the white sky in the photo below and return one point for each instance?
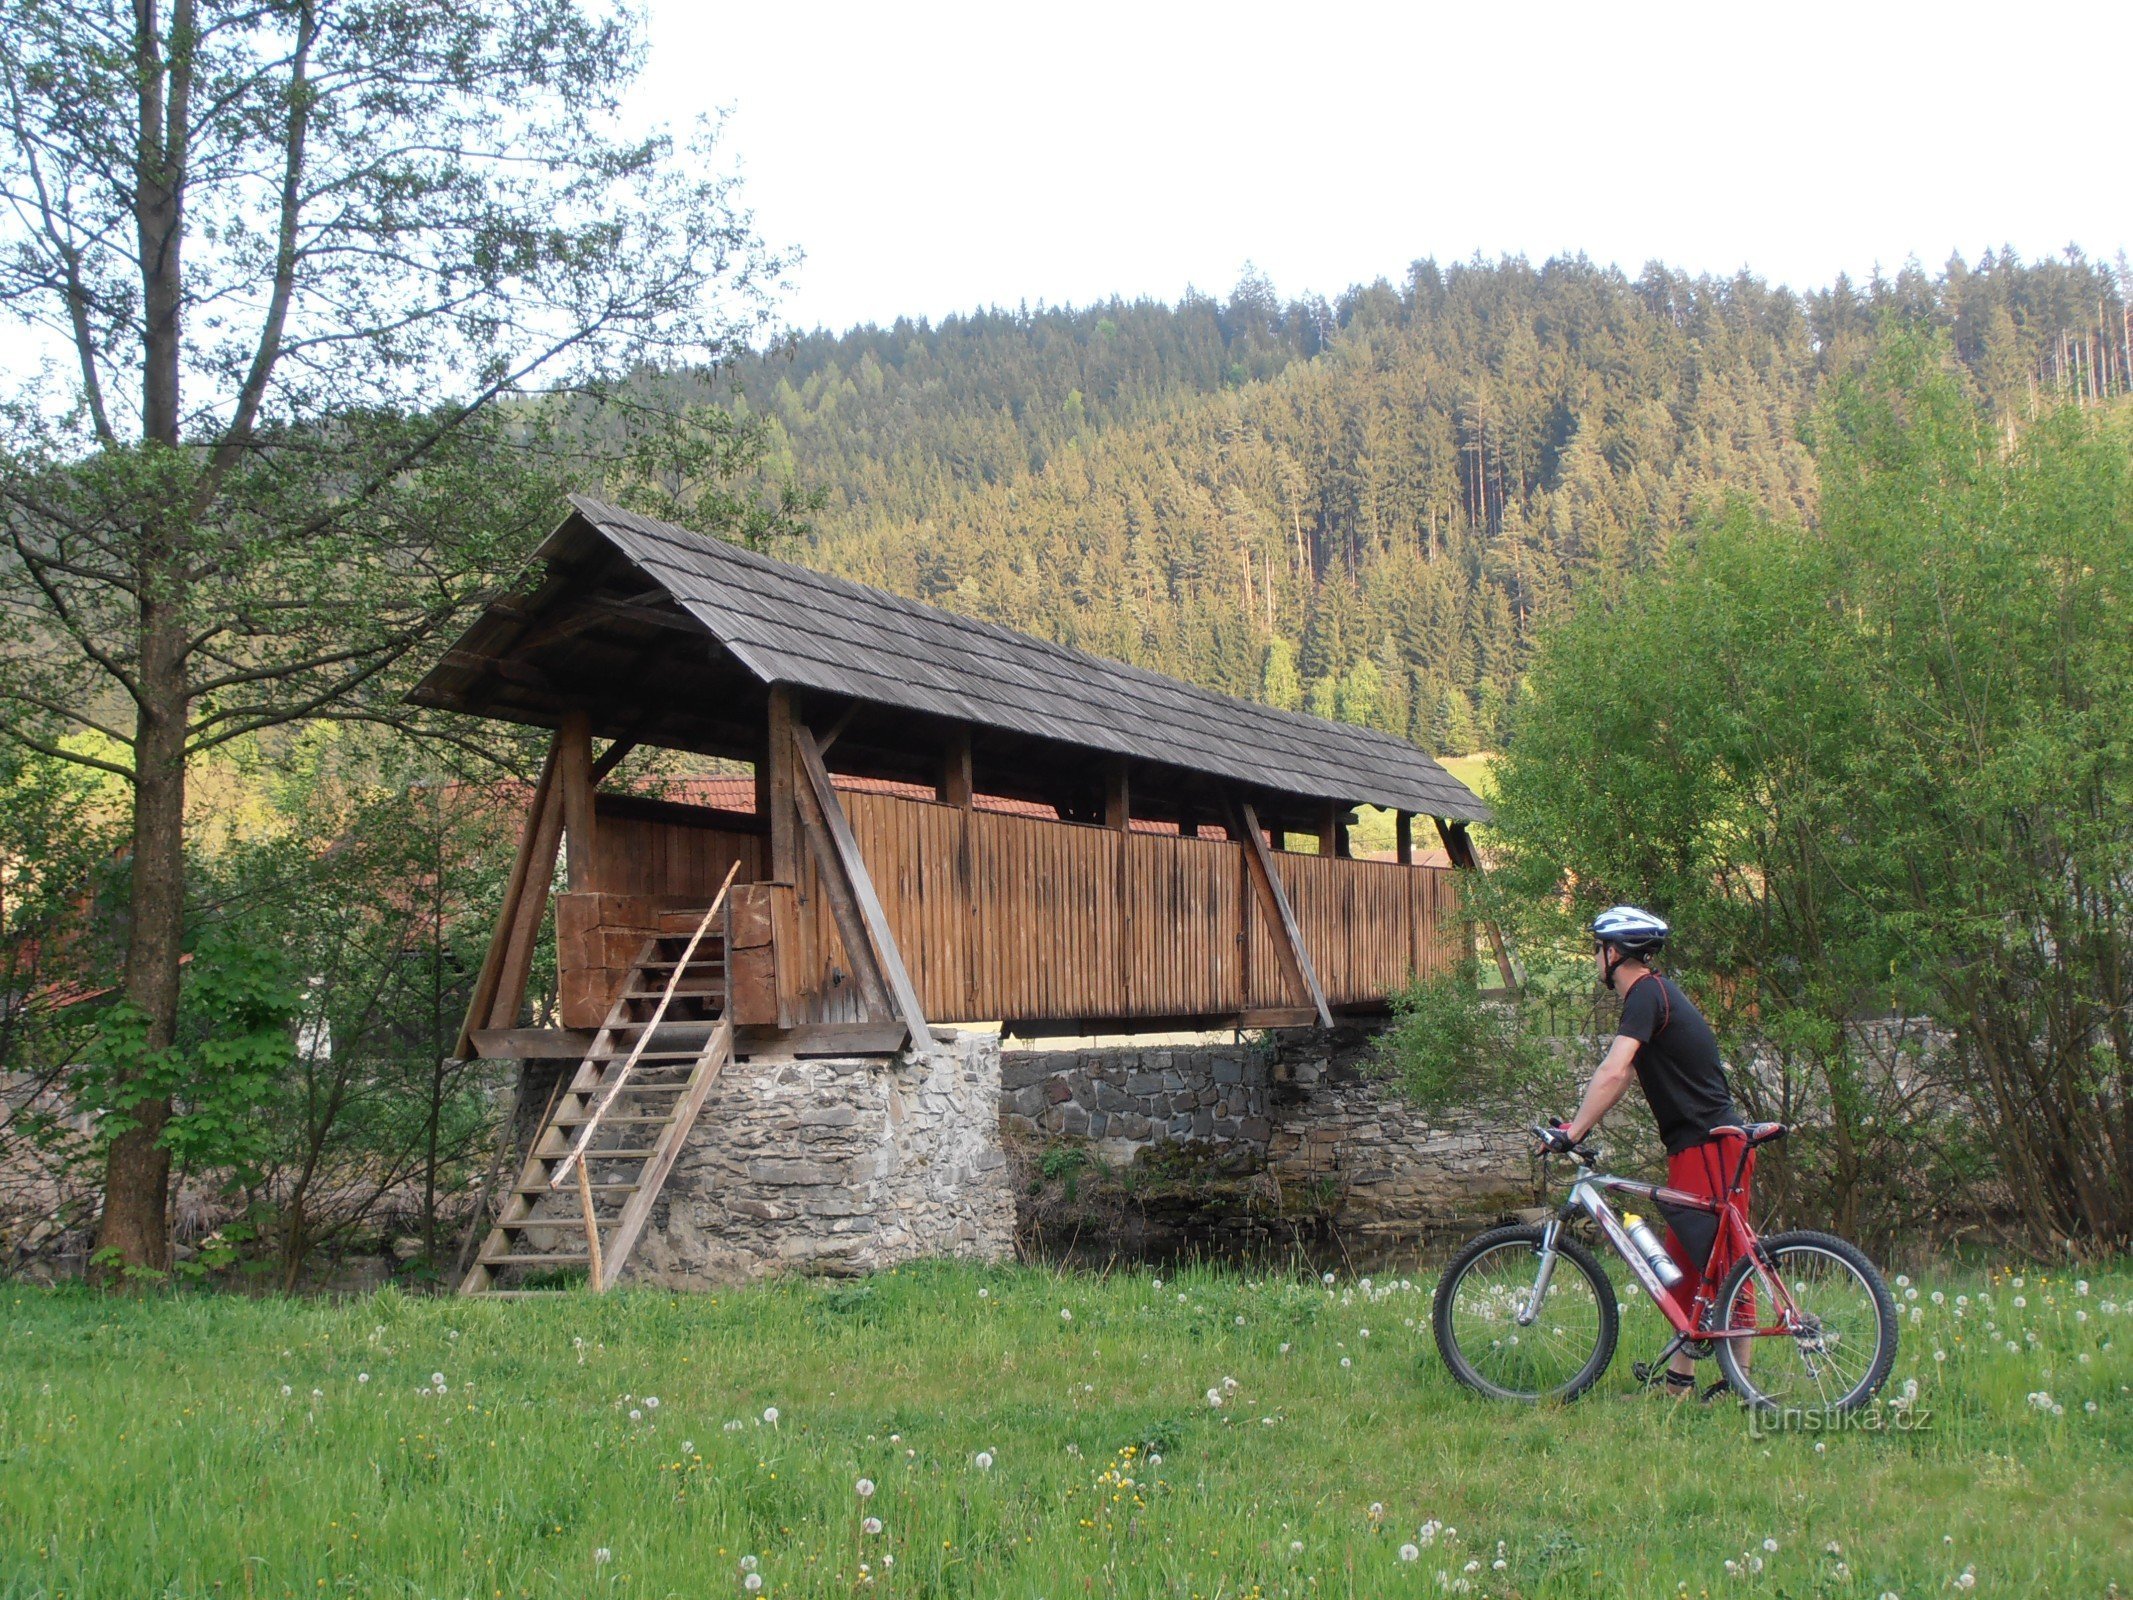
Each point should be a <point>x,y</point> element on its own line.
<point>935,157</point>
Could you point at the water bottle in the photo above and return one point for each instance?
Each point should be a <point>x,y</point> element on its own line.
<point>1654,1251</point>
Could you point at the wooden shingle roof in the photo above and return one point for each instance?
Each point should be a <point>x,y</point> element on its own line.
<point>789,625</point>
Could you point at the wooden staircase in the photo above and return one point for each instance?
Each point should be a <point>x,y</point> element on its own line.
<point>612,1133</point>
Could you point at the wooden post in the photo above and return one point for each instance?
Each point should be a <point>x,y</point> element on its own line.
<point>500,986</point>
<point>1403,837</point>
<point>1288,942</point>
<point>774,801</point>
<point>574,771</point>
<point>957,786</point>
<point>1329,831</point>
<point>1459,845</point>
<point>851,866</point>
<point>492,965</point>
<point>1118,796</point>
<point>597,1274</point>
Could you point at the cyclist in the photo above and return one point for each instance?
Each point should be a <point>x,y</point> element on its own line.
<point>1665,1043</point>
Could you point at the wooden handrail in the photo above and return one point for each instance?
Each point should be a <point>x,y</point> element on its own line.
<point>644,1034</point>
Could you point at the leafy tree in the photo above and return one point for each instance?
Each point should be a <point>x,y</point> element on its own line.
<point>1990,584</point>
<point>297,254</point>
<point>1879,765</point>
<point>1278,683</point>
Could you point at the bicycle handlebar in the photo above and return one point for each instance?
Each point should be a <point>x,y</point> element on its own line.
<point>1584,1153</point>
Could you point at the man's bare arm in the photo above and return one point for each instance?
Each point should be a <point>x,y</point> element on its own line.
<point>1608,1085</point>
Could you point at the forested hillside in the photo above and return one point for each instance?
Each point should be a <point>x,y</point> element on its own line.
<point>1367,507</point>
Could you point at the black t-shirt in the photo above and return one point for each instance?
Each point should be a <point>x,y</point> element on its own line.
<point>1677,1062</point>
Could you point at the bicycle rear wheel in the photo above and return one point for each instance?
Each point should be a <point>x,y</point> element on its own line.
<point>1842,1360</point>
<point>1560,1353</point>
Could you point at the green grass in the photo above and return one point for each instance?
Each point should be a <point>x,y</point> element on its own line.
<point>203,1446</point>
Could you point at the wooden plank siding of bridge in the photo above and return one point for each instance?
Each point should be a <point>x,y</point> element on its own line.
<point>1015,919</point>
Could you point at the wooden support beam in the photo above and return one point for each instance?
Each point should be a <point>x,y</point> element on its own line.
<point>836,729</point>
<point>1403,837</point>
<point>1118,796</point>
<point>486,982</point>
<point>1329,830</point>
<point>843,903</point>
<point>612,757</point>
<point>1459,845</point>
<point>500,988</point>
<point>574,772</point>
<point>853,869</point>
<point>774,788</point>
<point>1289,945</point>
<point>958,780</point>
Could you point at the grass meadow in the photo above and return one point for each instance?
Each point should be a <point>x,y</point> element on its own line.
<point>1022,1434</point>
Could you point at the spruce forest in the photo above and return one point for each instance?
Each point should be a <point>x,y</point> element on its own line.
<point>1368,508</point>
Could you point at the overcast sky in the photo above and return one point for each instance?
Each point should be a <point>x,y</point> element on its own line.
<point>933,158</point>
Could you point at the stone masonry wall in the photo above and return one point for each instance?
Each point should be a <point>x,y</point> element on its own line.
<point>836,1166</point>
<point>1299,1108</point>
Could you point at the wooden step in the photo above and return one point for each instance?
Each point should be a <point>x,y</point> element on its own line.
<point>543,1260</point>
<point>539,1189</point>
<point>637,1086</point>
<point>611,1121</point>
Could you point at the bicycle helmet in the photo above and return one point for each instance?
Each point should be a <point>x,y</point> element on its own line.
<point>1628,931</point>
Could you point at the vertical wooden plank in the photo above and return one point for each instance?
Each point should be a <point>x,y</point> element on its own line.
<point>958,780</point>
<point>774,798</point>
<point>1403,837</point>
<point>574,774</point>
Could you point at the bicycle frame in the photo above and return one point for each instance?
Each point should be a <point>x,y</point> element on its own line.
<point>1589,1196</point>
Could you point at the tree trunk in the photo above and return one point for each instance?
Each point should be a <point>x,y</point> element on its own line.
<point>136,1222</point>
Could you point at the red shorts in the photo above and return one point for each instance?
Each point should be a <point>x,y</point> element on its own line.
<point>1703,1169</point>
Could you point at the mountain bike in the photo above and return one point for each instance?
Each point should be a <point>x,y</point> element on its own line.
<point>1528,1313</point>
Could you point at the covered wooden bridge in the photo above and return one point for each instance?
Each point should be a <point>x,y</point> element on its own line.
<point>950,822</point>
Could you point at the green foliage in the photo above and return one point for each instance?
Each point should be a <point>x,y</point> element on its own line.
<point>1876,765</point>
<point>237,1012</point>
<point>1449,1049</point>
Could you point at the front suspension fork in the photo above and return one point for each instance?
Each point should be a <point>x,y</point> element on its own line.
<point>1549,1233</point>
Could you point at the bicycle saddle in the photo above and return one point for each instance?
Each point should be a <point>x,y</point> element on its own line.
<point>1754,1132</point>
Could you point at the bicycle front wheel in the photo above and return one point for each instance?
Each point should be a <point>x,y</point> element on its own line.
<point>1559,1353</point>
<point>1841,1355</point>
